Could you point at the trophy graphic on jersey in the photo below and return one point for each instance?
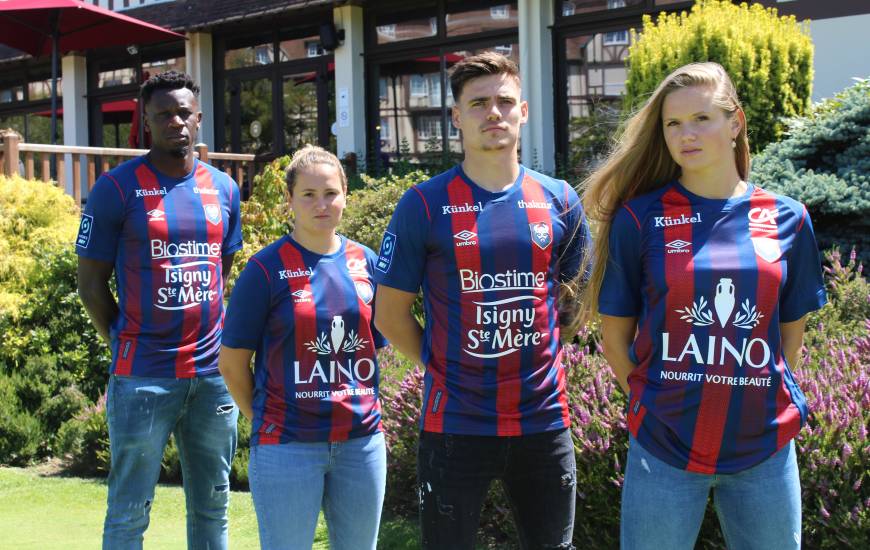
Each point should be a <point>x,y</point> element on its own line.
<point>337,334</point>
<point>724,301</point>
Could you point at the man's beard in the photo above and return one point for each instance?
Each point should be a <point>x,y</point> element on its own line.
<point>180,152</point>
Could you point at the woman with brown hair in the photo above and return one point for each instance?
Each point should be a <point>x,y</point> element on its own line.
<point>304,304</point>
<point>703,281</point>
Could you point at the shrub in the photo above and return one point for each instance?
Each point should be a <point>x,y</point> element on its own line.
<point>370,208</point>
<point>824,162</point>
<point>83,441</point>
<point>265,215</point>
<point>20,431</point>
<point>769,59</point>
<point>40,312</point>
<point>833,449</point>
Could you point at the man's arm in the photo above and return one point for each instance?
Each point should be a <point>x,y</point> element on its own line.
<point>396,322</point>
<point>226,267</point>
<point>618,335</point>
<point>792,336</point>
<point>93,287</point>
<point>235,367</point>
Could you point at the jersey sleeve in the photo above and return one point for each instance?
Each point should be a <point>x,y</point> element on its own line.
<point>402,258</point>
<point>621,288</point>
<point>577,238</point>
<point>102,221</point>
<point>233,241</point>
<point>804,289</point>
<point>249,308</point>
<point>380,341</point>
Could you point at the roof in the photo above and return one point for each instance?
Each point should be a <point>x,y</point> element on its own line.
<point>189,15</point>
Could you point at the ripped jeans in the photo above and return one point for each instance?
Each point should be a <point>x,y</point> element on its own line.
<point>142,412</point>
<point>538,473</point>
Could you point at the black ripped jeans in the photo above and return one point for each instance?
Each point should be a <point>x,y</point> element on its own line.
<point>538,472</point>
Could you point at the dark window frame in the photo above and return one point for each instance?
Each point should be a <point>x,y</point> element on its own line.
<point>589,23</point>
<point>276,71</point>
<point>440,44</point>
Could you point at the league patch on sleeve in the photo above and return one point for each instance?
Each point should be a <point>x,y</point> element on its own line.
<point>385,258</point>
<point>85,228</point>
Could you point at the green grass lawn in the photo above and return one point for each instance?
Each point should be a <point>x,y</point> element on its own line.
<point>40,512</point>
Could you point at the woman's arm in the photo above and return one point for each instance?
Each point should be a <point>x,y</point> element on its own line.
<point>792,335</point>
<point>618,335</point>
<point>235,366</point>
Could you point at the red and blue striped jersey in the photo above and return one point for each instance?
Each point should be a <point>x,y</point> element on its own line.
<point>309,318</point>
<point>710,282</point>
<point>490,266</point>
<point>165,237</point>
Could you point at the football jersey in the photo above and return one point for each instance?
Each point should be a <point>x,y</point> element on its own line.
<point>710,281</point>
<point>165,237</point>
<point>490,266</point>
<point>309,319</point>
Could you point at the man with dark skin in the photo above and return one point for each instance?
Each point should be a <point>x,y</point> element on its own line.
<point>167,226</point>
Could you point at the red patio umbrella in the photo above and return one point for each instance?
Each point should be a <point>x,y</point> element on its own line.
<point>40,27</point>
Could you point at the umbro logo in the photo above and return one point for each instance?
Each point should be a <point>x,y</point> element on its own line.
<point>156,215</point>
<point>301,296</point>
<point>465,238</point>
<point>679,246</point>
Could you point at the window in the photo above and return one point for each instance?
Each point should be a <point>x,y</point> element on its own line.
<point>418,85</point>
<point>567,8</point>
<point>249,56</point>
<point>614,4</point>
<point>314,49</point>
<point>263,55</point>
<point>429,127</point>
<point>505,50</point>
<point>386,31</point>
<point>616,38</point>
<point>453,132</point>
<point>461,19</point>
<point>117,77</point>
<point>16,93</point>
<point>434,84</point>
<point>385,130</point>
<point>382,89</point>
<point>500,12</point>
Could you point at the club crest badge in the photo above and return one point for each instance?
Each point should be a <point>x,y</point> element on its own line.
<point>767,248</point>
<point>541,235</point>
<point>212,213</point>
<point>365,291</point>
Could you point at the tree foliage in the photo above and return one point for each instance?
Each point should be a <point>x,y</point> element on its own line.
<point>824,162</point>
<point>768,57</point>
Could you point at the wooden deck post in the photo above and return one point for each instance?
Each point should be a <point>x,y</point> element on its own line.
<point>10,153</point>
<point>202,149</point>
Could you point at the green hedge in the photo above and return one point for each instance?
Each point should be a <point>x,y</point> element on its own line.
<point>768,57</point>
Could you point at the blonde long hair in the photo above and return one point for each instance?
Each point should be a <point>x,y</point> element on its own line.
<point>639,162</point>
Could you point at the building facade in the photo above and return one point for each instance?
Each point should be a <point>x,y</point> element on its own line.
<point>370,77</point>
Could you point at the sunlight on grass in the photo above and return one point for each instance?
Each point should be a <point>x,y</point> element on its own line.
<point>38,512</point>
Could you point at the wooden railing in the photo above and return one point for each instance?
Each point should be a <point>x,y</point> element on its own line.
<point>34,160</point>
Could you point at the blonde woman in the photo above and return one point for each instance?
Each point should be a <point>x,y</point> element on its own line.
<point>703,281</point>
<point>304,305</point>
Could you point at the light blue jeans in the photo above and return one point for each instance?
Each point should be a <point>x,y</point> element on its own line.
<point>142,412</point>
<point>291,482</point>
<point>663,506</point>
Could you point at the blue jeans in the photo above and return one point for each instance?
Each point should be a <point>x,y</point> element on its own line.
<point>663,506</point>
<point>539,476</point>
<point>142,412</point>
<point>291,482</point>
